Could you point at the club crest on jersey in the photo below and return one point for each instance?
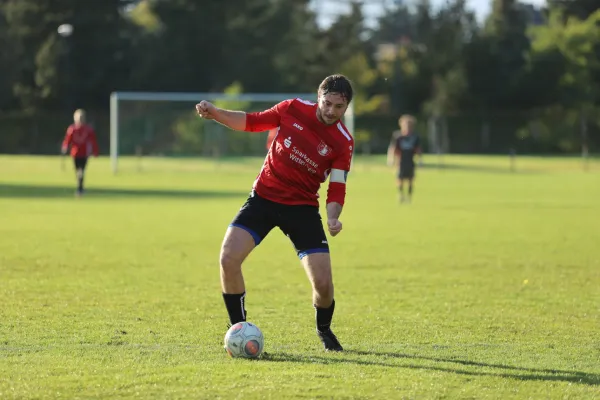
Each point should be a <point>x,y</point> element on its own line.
<point>323,149</point>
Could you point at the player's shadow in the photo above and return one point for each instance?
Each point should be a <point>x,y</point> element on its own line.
<point>10,190</point>
<point>399,360</point>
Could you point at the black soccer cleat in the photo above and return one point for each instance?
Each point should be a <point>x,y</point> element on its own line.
<point>330,342</point>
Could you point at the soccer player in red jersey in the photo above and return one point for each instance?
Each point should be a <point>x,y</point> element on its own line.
<point>82,140</point>
<point>312,145</point>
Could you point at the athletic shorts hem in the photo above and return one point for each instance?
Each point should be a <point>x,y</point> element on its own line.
<point>255,236</point>
<point>304,253</point>
<point>406,173</point>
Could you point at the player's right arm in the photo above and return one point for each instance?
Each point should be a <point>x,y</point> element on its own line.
<point>67,141</point>
<point>232,119</point>
<point>392,153</point>
<point>242,121</point>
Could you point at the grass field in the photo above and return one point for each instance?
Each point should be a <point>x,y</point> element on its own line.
<point>487,286</point>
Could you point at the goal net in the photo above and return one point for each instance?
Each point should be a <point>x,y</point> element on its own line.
<point>166,124</point>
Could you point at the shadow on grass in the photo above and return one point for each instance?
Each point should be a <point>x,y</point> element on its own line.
<point>9,190</point>
<point>505,371</point>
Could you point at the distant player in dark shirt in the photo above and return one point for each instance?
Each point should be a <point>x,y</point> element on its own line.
<point>404,145</point>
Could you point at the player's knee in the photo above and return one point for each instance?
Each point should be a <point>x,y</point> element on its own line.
<point>324,287</point>
<point>229,262</point>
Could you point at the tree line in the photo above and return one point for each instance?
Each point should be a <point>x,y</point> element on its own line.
<point>525,77</point>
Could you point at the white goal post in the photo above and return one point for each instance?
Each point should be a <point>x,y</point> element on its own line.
<point>116,98</point>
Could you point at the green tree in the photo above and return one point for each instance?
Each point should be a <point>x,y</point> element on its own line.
<point>8,67</point>
<point>425,68</point>
<point>274,46</point>
<point>495,60</point>
<point>570,48</point>
<point>84,68</point>
<point>395,23</point>
<point>578,42</point>
<point>581,9</point>
<point>452,27</point>
<point>143,16</point>
<point>187,52</point>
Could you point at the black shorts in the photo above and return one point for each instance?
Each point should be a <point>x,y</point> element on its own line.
<point>407,170</point>
<point>80,162</point>
<point>302,223</point>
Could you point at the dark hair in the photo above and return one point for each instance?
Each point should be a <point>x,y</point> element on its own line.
<point>337,84</point>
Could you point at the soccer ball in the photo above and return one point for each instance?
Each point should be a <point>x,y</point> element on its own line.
<point>244,340</point>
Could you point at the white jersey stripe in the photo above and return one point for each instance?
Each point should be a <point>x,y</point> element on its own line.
<point>308,103</point>
<point>341,128</point>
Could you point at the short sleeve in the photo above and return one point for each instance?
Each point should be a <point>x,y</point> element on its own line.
<point>268,119</point>
<point>344,159</point>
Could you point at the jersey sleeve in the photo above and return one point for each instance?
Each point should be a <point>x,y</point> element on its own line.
<point>336,192</point>
<point>344,160</point>
<point>268,119</point>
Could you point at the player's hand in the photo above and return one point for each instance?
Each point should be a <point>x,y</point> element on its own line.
<point>63,151</point>
<point>334,226</point>
<point>205,109</point>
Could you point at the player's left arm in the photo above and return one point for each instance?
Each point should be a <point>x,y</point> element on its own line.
<point>336,192</point>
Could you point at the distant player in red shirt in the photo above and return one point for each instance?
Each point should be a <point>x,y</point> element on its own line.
<point>82,140</point>
<point>312,144</point>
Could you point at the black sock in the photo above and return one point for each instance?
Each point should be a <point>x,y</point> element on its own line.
<point>410,190</point>
<point>324,316</point>
<point>235,304</point>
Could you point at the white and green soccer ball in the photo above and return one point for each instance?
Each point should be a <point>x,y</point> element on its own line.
<point>244,340</point>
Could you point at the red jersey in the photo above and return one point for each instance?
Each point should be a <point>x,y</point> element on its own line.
<point>271,137</point>
<point>82,140</point>
<point>304,153</point>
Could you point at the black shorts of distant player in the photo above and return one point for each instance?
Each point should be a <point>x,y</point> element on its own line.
<point>407,169</point>
<point>80,163</point>
<point>301,223</point>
